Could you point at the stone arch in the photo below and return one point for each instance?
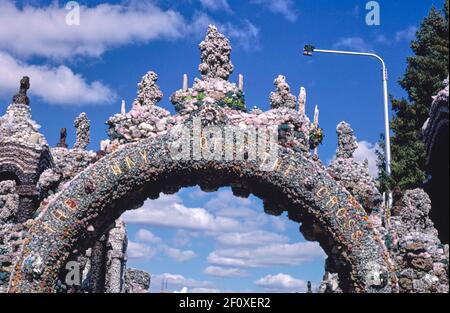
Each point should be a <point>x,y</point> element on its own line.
<point>126,177</point>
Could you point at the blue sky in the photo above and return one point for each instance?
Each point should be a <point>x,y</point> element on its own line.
<point>91,67</point>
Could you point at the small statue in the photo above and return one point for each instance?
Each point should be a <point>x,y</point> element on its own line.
<point>309,287</point>
<point>62,139</point>
<point>21,97</point>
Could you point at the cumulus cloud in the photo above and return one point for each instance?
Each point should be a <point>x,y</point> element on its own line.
<point>224,272</point>
<point>180,281</point>
<point>169,211</point>
<point>183,237</point>
<point>224,203</point>
<point>179,255</point>
<point>56,85</point>
<point>270,255</point>
<point>282,283</point>
<point>367,151</point>
<point>406,34</point>
<point>144,235</point>
<point>353,43</point>
<point>140,251</point>
<point>284,7</point>
<point>42,31</point>
<point>29,31</point>
<point>278,223</point>
<point>257,237</point>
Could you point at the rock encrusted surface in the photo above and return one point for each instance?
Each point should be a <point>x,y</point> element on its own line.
<point>341,206</point>
<point>347,144</point>
<point>83,128</point>
<point>282,97</point>
<point>9,201</point>
<point>214,87</point>
<point>353,175</point>
<point>143,121</point>
<point>116,258</point>
<point>18,127</point>
<point>422,261</point>
<point>11,240</point>
<point>215,55</point>
<point>330,284</point>
<point>149,92</point>
<point>137,281</point>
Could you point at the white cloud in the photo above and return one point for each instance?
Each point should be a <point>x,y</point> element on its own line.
<point>278,223</point>
<point>407,34</point>
<point>179,255</point>
<point>284,7</point>
<point>204,290</point>
<point>257,237</point>
<point>216,5</point>
<point>382,39</point>
<point>243,33</point>
<point>42,31</point>
<point>367,151</point>
<point>169,211</point>
<point>183,237</point>
<point>270,255</point>
<point>147,236</point>
<point>224,203</point>
<point>56,85</point>
<point>224,272</point>
<point>140,251</point>
<point>180,280</point>
<point>353,43</point>
<point>29,31</point>
<point>282,283</point>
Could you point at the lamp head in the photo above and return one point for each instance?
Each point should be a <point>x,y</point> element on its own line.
<point>308,50</point>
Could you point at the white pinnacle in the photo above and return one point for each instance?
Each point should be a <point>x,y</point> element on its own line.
<point>123,109</point>
<point>302,101</point>
<point>185,82</point>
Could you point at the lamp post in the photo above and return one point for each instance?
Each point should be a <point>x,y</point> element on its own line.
<point>309,50</point>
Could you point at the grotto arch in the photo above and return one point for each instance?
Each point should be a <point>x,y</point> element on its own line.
<point>126,177</point>
<point>147,154</point>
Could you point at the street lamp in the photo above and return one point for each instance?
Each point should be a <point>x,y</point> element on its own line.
<point>309,50</point>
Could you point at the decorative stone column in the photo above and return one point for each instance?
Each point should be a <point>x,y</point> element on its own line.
<point>116,245</point>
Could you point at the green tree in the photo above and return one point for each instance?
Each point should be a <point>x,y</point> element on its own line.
<point>424,77</point>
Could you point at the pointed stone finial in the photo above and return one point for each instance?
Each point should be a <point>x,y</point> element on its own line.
<point>149,92</point>
<point>241,82</point>
<point>21,97</point>
<point>316,124</point>
<point>215,55</point>
<point>185,82</point>
<point>316,115</point>
<point>62,138</point>
<point>302,101</point>
<point>282,97</point>
<point>123,108</point>
<point>346,141</point>
<point>83,128</point>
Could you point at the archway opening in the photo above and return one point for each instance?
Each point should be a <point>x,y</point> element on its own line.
<point>123,180</point>
<point>196,241</point>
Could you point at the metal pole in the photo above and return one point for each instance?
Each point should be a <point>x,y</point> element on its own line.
<point>385,99</point>
<point>386,104</point>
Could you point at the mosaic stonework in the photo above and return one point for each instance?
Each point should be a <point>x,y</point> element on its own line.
<point>73,198</point>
